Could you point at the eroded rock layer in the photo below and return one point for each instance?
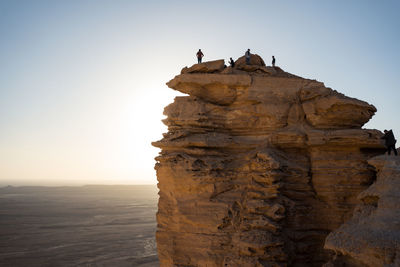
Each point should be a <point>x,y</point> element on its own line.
<point>258,166</point>
<point>372,236</point>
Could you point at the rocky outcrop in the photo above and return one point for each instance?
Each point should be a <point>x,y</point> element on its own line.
<point>257,167</point>
<point>206,67</point>
<point>372,236</point>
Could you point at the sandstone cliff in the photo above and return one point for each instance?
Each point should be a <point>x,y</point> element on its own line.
<point>258,166</point>
<point>372,236</point>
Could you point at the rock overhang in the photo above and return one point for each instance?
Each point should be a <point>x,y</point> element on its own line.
<point>322,107</point>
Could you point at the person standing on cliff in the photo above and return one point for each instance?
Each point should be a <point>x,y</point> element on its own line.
<point>247,54</point>
<point>232,62</point>
<point>199,55</point>
<point>390,142</point>
<point>273,61</point>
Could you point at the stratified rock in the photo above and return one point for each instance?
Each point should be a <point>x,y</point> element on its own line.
<point>372,236</point>
<point>337,111</point>
<point>215,88</point>
<point>258,167</point>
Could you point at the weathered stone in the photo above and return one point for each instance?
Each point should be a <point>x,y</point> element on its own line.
<point>257,167</point>
<point>337,111</point>
<point>205,67</point>
<point>372,236</point>
<point>214,88</point>
<point>255,60</point>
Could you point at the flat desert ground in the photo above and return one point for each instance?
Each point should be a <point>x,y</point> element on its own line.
<point>78,226</point>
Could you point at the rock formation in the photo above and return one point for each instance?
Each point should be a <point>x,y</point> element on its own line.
<point>372,236</point>
<point>258,166</point>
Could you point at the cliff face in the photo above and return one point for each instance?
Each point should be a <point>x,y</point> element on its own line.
<point>258,166</point>
<point>372,236</point>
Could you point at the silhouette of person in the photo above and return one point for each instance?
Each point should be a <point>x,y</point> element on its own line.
<point>232,63</point>
<point>390,142</point>
<point>247,54</point>
<point>199,55</point>
<point>273,61</point>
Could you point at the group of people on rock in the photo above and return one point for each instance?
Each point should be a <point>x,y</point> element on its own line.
<point>247,55</point>
<point>390,141</point>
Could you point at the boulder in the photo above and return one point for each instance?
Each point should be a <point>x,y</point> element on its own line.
<point>255,60</point>
<point>205,67</point>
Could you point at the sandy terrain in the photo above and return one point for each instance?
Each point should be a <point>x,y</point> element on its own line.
<point>78,226</point>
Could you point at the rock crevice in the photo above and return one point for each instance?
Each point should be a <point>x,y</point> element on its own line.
<point>372,236</point>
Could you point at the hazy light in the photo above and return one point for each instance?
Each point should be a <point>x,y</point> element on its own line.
<point>82,84</point>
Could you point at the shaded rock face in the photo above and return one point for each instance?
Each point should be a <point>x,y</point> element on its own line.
<point>258,167</point>
<point>372,236</point>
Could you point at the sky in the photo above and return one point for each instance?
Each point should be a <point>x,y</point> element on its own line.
<point>82,83</point>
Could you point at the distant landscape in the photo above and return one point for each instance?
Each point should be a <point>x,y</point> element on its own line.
<point>91,225</point>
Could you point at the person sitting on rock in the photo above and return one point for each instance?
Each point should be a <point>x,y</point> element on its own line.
<point>247,54</point>
<point>199,55</point>
<point>232,63</point>
<point>273,61</point>
<point>390,142</point>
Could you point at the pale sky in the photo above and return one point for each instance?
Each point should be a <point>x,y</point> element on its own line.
<point>82,83</point>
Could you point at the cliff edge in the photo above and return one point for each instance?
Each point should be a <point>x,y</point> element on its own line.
<point>258,166</point>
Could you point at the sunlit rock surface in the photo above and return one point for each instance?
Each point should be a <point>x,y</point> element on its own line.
<point>258,166</point>
<point>372,236</point>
